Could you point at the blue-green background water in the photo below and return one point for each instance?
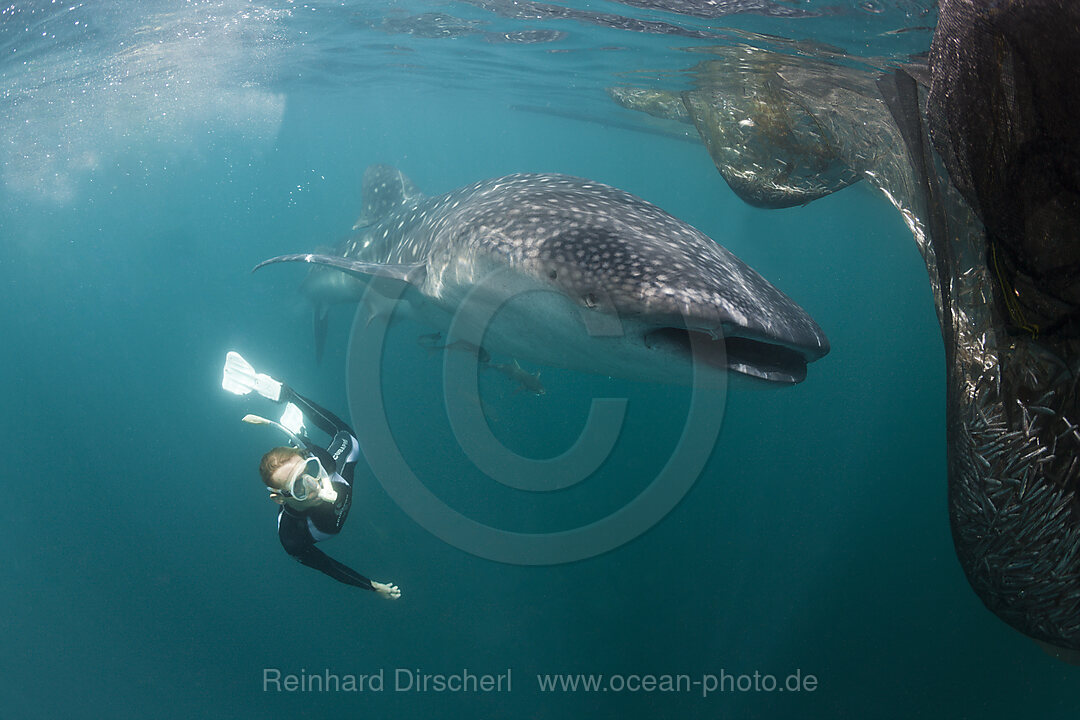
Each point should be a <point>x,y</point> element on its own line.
<point>152,155</point>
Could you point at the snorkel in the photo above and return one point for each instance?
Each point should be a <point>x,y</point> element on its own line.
<point>293,437</point>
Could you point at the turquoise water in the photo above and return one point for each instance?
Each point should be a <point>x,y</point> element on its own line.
<point>151,156</point>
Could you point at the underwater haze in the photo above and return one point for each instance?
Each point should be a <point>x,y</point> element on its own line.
<point>152,153</point>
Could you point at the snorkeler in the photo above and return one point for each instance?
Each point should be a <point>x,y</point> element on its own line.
<point>312,485</point>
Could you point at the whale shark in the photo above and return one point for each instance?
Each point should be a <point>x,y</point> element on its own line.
<point>566,272</point>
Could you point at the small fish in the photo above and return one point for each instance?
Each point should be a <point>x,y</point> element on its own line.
<point>530,382</point>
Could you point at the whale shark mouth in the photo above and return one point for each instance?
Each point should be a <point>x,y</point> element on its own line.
<point>756,358</point>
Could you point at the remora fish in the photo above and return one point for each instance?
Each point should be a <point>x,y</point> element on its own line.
<point>566,272</point>
<point>527,381</point>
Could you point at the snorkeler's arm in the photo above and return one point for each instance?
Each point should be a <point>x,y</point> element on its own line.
<point>299,544</point>
<point>313,557</point>
<point>325,420</point>
<point>297,541</point>
<point>344,448</point>
<point>316,558</point>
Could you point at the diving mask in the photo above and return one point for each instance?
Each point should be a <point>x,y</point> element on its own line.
<point>309,480</point>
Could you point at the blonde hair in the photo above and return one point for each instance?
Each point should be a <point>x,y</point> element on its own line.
<point>274,459</point>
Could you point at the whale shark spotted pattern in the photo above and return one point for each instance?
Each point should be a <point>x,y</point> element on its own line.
<point>601,249</point>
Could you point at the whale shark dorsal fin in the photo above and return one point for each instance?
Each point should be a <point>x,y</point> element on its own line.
<point>385,189</point>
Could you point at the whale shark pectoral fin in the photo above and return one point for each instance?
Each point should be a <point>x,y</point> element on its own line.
<point>410,273</point>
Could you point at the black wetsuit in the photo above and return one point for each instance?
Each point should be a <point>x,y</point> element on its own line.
<point>299,530</point>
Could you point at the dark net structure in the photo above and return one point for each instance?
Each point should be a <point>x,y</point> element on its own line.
<point>978,148</point>
<point>1003,112</point>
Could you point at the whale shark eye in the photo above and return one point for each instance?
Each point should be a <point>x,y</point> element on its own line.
<point>553,274</point>
<point>590,300</point>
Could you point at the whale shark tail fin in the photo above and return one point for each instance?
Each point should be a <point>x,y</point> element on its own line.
<point>385,189</point>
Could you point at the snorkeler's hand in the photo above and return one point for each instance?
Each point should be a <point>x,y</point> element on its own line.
<point>387,590</point>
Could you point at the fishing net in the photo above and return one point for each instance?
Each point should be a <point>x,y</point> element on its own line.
<point>1003,113</point>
